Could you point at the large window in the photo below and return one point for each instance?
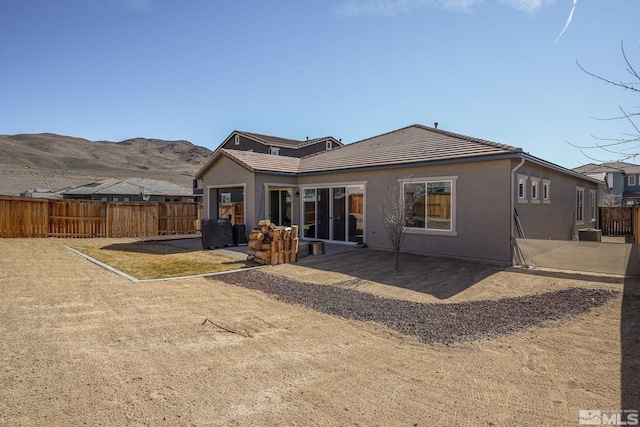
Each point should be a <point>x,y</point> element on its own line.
<point>593,203</point>
<point>579,204</point>
<point>432,205</point>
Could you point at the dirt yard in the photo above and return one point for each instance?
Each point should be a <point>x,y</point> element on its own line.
<point>84,346</point>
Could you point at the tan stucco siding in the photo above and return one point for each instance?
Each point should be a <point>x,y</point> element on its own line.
<point>481,203</point>
<point>554,219</point>
<point>227,173</point>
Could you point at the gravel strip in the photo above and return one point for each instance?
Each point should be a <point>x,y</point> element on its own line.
<point>430,323</point>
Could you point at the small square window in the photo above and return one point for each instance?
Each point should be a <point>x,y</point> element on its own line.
<point>115,199</point>
<point>522,188</point>
<point>535,190</point>
<point>546,191</point>
<point>274,151</point>
<point>125,199</point>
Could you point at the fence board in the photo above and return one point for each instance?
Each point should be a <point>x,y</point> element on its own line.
<point>27,217</point>
<point>636,224</point>
<point>23,218</point>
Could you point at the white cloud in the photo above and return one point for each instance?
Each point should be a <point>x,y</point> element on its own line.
<point>355,8</point>
<point>569,19</point>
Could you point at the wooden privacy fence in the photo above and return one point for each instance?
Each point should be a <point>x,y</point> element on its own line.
<point>27,217</point>
<point>636,224</point>
<point>616,221</point>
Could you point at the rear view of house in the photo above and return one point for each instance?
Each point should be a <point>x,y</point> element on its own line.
<point>470,189</point>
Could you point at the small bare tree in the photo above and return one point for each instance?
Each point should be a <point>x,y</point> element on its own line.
<point>628,146</point>
<point>396,208</point>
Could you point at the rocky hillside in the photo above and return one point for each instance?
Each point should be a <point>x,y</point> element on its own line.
<point>55,161</point>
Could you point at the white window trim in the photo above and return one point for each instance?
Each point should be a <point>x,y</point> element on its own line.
<point>523,198</point>
<point>329,145</point>
<point>274,151</point>
<point>453,231</point>
<point>581,219</point>
<point>634,178</point>
<point>546,183</point>
<point>535,198</point>
<point>237,140</point>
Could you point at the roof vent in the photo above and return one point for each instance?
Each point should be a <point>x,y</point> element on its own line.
<point>435,125</point>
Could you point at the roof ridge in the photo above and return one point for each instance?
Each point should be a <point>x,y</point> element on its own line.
<point>469,138</point>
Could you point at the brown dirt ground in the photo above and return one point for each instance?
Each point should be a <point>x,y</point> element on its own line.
<point>81,345</point>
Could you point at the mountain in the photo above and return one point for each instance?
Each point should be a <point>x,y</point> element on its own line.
<point>53,161</point>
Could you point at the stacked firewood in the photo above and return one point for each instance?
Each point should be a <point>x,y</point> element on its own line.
<point>270,244</point>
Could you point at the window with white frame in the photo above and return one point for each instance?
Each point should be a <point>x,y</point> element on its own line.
<point>274,151</point>
<point>522,188</point>
<point>237,140</point>
<point>632,180</point>
<point>432,205</point>
<point>593,205</point>
<point>329,145</point>
<point>126,199</point>
<point>535,189</point>
<point>579,204</point>
<point>115,199</point>
<point>546,191</point>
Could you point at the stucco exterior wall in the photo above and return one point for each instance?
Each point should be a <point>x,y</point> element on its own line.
<point>227,173</point>
<point>481,208</point>
<point>554,219</point>
<point>262,183</point>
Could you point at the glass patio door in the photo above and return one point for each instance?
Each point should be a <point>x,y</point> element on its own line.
<point>280,207</point>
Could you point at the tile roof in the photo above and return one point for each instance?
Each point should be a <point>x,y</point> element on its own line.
<point>133,186</point>
<point>413,144</point>
<point>284,142</point>
<point>262,162</point>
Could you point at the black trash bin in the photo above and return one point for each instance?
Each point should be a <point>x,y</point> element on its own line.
<point>239,232</point>
<point>216,233</point>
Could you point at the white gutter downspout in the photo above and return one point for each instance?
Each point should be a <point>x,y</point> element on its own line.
<point>513,196</point>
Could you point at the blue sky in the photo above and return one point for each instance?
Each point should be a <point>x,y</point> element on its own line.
<point>501,70</point>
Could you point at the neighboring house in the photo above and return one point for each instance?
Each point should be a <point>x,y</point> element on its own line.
<point>131,190</point>
<point>274,145</point>
<point>621,182</point>
<point>40,193</point>
<point>472,188</point>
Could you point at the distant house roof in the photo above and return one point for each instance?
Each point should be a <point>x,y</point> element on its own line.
<point>132,186</point>
<point>608,167</point>
<point>45,193</point>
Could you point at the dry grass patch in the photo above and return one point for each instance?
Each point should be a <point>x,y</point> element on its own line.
<point>156,260</point>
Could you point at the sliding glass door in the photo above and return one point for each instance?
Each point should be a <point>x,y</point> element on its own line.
<point>334,213</point>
